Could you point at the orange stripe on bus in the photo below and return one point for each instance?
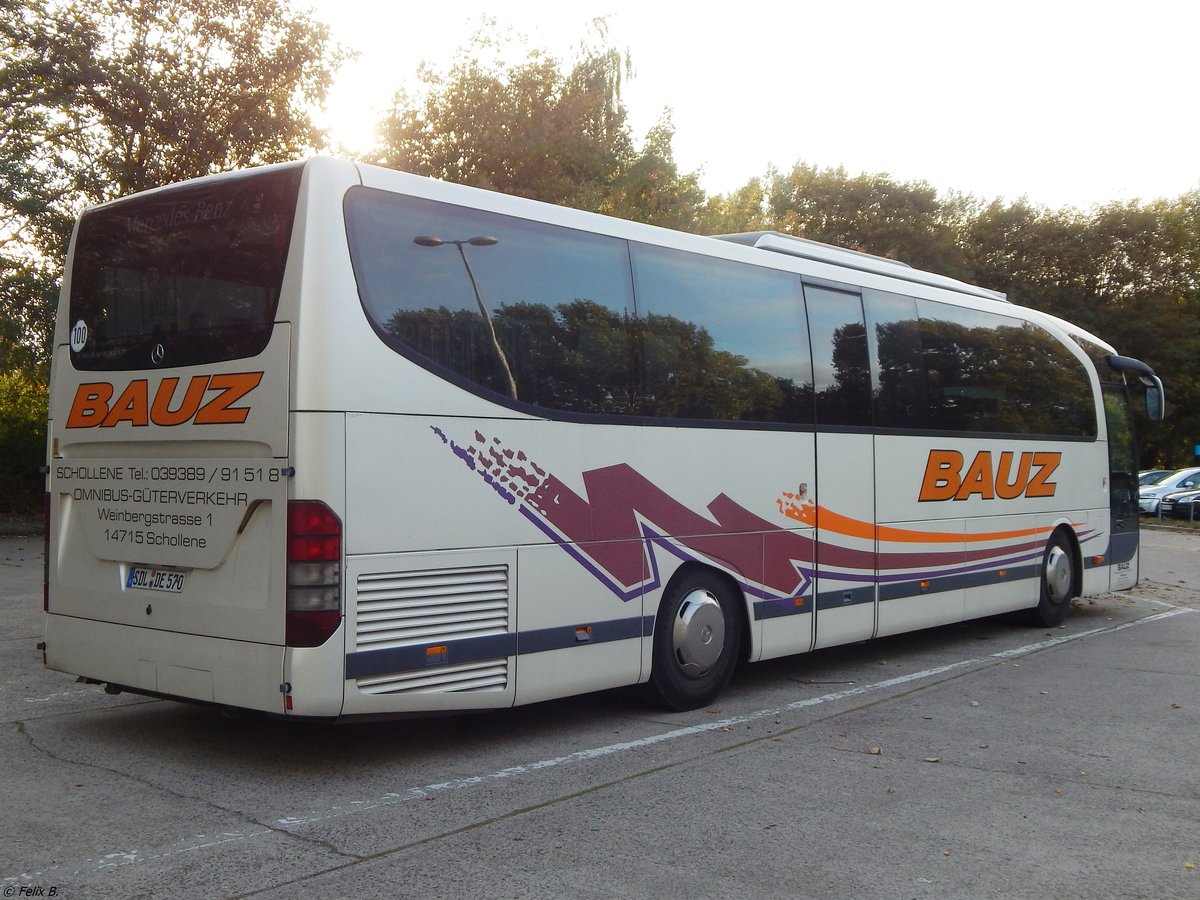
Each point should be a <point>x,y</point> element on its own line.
<point>820,517</point>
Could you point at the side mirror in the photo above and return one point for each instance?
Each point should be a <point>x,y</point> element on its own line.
<point>1155,406</point>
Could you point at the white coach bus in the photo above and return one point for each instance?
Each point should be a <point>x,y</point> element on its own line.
<point>328,440</point>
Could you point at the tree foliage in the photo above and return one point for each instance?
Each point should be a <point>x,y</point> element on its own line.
<point>537,129</point>
<point>22,441</point>
<point>871,213</point>
<point>108,97</point>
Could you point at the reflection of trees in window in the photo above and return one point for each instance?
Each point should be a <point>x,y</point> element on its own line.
<point>1123,483</point>
<point>846,400</point>
<point>196,269</point>
<point>841,364</point>
<point>576,358</point>
<point>583,357</point>
<point>1009,377</point>
<point>900,397</point>
<point>686,376</point>
<point>712,339</point>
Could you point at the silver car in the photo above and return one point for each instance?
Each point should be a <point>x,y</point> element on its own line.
<point>1149,495</point>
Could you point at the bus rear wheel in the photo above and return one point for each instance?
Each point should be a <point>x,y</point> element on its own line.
<point>1058,583</point>
<point>697,638</point>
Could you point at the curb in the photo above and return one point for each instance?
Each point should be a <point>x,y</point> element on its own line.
<point>1177,529</point>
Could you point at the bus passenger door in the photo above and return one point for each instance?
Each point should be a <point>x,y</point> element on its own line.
<point>1123,489</point>
<point>845,491</point>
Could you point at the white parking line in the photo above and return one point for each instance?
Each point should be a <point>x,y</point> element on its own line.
<point>58,696</point>
<point>1163,603</point>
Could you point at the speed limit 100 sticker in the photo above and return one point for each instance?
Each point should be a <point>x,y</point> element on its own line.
<point>79,336</point>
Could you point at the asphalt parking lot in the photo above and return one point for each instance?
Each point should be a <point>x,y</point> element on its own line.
<point>979,760</point>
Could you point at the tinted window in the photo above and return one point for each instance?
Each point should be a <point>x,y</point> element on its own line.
<point>841,371</point>
<point>992,373</point>
<point>183,276</point>
<point>532,312</point>
<point>894,337</point>
<point>720,340</point>
<point>1099,357</point>
<point>1122,458</point>
<point>545,315</point>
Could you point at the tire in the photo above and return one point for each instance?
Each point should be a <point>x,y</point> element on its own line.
<point>697,640</point>
<point>1058,581</point>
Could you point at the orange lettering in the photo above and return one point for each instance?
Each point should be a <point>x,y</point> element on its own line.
<point>133,406</point>
<point>1046,463</point>
<point>944,478</point>
<point>161,412</point>
<point>978,479</point>
<point>90,405</point>
<point>220,409</point>
<point>1010,490</point>
<point>941,475</point>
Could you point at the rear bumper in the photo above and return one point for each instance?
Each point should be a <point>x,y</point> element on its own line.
<point>186,666</point>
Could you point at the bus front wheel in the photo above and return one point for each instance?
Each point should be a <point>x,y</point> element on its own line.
<point>697,638</point>
<point>1058,582</point>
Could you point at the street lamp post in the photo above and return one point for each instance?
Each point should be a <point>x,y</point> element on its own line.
<point>480,241</point>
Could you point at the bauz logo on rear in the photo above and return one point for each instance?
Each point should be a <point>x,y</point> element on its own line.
<point>207,400</point>
<point>1012,475</point>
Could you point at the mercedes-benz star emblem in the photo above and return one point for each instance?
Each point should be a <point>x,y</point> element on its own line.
<point>157,354</point>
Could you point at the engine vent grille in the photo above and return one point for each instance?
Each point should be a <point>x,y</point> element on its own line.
<point>489,675</point>
<point>399,609</point>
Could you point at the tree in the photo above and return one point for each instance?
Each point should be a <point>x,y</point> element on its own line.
<point>108,97</point>
<point>22,441</point>
<point>741,210</point>
<point>871,213</point>
<point>534,129</point>
<point>1037,256</point>
<point>651,189</point>
<point>35,175</point>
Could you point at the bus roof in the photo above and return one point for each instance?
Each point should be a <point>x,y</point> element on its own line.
<point>853,259</point>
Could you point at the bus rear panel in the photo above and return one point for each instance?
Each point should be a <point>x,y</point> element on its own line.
<point>176,564</point>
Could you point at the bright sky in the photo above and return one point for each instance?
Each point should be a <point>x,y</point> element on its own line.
<point>1066,102</point>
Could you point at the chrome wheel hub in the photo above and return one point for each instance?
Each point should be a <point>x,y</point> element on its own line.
<point>698,634</point>
<point>1058,575</point>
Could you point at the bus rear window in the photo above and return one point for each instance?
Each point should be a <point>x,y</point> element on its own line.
<point>184,276</point>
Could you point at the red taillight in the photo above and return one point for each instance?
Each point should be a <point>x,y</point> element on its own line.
<point>314,573</point>
<point>314,532</point>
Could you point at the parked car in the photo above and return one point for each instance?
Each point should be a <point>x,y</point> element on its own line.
<point>1181,505</point>
<point>1149,495</point>
<point>1149,476</point>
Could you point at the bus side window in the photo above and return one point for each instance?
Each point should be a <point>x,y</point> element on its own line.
<point>841,370</point>
<point>897,364</point>
<point>720,340</point>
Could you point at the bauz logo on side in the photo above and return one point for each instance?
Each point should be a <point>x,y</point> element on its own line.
<point>92,404</point>
<point>1012,475</point>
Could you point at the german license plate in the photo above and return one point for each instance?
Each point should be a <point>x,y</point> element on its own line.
<point>145,579</point>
